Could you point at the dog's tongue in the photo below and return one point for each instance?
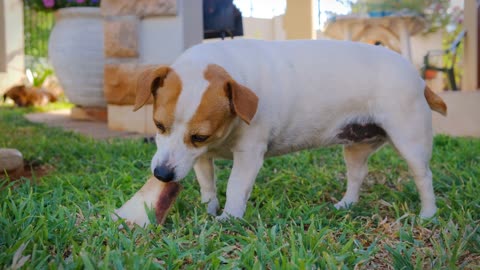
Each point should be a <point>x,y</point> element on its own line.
<point>166,198</point>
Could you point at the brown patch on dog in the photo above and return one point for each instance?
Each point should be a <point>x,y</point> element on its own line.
<point>165,100</point>
<point>223,99</point>
<point>164,84</point>
<point>212,116</point>
<point>435,102</point>
<point>166,198</point>
<point>24,96</point>
<point>242,100</point>
<point>361,132</point>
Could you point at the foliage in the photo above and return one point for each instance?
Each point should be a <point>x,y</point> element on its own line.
<point>437,13</point>
<point>37,27</point>
<point>38,70</point>
<point>50,5</point>
<point>450,59</point>
<point>62,220</point>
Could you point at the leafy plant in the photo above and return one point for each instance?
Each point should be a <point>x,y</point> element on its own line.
<point>38,70</point>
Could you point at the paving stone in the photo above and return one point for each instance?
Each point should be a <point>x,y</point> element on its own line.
<point>139,8</point>
<point>10,160</point>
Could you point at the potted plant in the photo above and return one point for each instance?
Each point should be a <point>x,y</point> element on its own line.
<point>75,49</point>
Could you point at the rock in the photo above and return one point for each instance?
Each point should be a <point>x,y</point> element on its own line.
<point>140,8</point>
<point>120,37</point>
<point>10,160</point>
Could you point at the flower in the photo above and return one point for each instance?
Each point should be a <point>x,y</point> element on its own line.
<point>51,5</point>
<point>48,3</point>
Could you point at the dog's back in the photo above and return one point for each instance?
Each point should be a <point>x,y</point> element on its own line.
<point>314,86</point>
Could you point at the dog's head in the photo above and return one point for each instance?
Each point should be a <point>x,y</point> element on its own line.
<point>191,115</point>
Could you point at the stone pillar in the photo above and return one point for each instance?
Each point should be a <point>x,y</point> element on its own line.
<point>471,46</point>
<point>139,34</point>
<point>12,67</point>
<point>299,21</point>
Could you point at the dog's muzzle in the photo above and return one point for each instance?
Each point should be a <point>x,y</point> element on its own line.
<point>164,173</point>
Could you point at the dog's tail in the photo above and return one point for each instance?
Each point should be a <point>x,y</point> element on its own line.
<point>435,102</point>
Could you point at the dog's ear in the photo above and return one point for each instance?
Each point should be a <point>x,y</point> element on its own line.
<point>148,83</point>
<point>243,101</point>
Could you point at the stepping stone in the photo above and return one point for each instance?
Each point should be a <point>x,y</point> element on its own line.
<point>10,160</point>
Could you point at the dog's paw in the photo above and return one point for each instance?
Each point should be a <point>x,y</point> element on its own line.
<point>224,217</point>
<point>213,206</point>
<point>343,204</point>
<point>427,213</point>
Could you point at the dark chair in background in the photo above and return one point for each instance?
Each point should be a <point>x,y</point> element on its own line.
<point>448,70</point>
<point>221,18</point>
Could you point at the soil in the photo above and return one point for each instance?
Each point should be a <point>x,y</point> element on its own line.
<point>31,170</point>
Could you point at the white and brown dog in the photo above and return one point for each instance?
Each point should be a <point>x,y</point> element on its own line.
<point>247,100</point>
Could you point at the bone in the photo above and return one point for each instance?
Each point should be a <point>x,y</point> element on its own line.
<point>155,195</point>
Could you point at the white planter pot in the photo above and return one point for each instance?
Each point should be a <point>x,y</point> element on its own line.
<point>75,49</point>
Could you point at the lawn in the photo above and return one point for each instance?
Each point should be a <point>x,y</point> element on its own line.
<point>61,220</point>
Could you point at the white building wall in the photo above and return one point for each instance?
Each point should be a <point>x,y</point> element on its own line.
<point>12,44</point>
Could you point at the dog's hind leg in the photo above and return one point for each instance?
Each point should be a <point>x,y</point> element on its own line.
<point>205,172</point>
<point>412,137</point>
<point>356,157</point>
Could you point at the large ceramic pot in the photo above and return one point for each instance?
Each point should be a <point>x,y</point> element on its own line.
<point>75,49</point>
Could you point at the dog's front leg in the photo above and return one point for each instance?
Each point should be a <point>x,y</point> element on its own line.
<point>205,172</point>
<point>246,165</point>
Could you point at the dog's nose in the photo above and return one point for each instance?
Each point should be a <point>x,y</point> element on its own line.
<point>164,173</point>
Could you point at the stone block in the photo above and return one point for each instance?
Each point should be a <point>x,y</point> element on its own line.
<point>120,83</point>
<point>10,160</point>
<point>123,118</point>
<point>140,8</point>
<point>121,37</point>
<point>97,114</point>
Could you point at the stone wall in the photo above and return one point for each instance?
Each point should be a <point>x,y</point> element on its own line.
<point>122,21</point>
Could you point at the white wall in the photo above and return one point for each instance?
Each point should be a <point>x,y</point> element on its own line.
<point>267,29</point>
<point>13,48</point>
<point>163,38</point>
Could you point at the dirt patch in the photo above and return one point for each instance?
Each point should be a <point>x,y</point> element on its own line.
<point>31,170</point>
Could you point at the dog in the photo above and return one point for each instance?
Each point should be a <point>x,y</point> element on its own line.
<point>247,100</point>
<point>24,96</point>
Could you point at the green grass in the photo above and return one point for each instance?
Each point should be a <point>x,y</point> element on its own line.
<point>62,219</point>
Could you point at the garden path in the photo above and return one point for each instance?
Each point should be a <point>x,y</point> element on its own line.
<point>96,130</point>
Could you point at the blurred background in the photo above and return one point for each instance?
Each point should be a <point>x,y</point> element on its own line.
<point>88,52</point>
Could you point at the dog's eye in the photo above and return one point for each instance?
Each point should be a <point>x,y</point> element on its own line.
<point>199,138</point>
<point>160,126</point>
